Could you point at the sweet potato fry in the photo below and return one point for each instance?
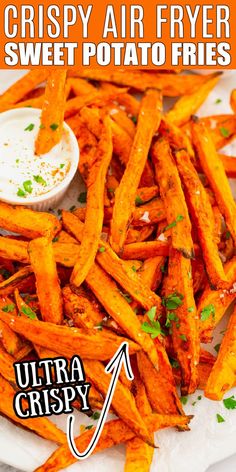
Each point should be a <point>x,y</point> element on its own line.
<point>121,118</point>
<point>214,171</point>
<point>80,86</point>
<point>159,384</point>
<point>204,368</point>
<point>123,401</point>
<point>214,303</point>
<point>28,223</point>
<point>88,146</point>
<point>130,103</point>
<point>10,340</point>
<point>81,309</point>
<point>151,271</point>
<point>122,142</point>
<point>96,97</point>
<point>23,279</point>
<point>22,306</point>
<point>65,253</point>
<point>6,365</point>
<point>24,352</point>
<point>138,234</point>
<point>182,320</point>
<point>14,249</point>
<point>173,198</point>
<point>118,308</point>
<point>148,122</point>
<point>198,274</point>
<point>150,213</point>
<point>229,163</point>
<point>176,137</point>
<point>52,117</point>
<point>64,237</point>
<point>31,103</point>
<point>67,341</point>
<point>47,282</point>
<point>145,194</point>
<point>114,432</point>
<point>114,266</point>
<point>126,100</point>
<point>233,100</point>
<point>171,85</point>
<point>222,377</point>
<point>139,454</point>
<point>201,212</point>
<point>94,211</point>
<point>187,105</point>
<point>222,128</point>
<point>145,250</point>
<point>23,86</point>
<point>42,426</point>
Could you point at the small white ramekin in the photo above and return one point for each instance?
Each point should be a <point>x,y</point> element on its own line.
<point>52,198</point>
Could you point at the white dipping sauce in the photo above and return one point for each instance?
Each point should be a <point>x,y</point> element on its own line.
<point>23,175</point>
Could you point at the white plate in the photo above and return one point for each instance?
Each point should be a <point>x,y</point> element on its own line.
<point>206,443</point>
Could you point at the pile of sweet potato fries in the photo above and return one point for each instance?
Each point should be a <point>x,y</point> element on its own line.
<point>150,257</point>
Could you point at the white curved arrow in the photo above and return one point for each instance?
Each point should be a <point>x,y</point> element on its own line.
<point>120,357</point>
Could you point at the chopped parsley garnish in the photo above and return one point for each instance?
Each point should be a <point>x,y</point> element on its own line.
<point>174,363</point>
<point>61,166</point>
<point>174,223</point>
<point>26,310</point>
<point>224,132</point>
<point>5,273</point>
<point>30,127</point>
<point>21,193</point>
<point>72,208</point>
<point>184,400</point>
<point>96,415</point>
<point>191,309</point>
<point>82,198</point>
<point>102,249</point>
<point>183,337</point>
<point>152,313</point>
<point>111,190</point>
<point>230,403</point>
<point>27,184</point>
<point>218,100</point>
<point>220,418</point>
<point>227,235</point>
<point>173,301</point>
<point>199,397</point>
<point>153,328</point>
<point>54,126</point>
<point>217,347</point>
<point>17,161</point>
<point>171,317</point>
<point>138,200</point>
<point>8,308</point>
<point>42,126</point>
<point>55,239</point>
<point>39,180</point>
<point>207,312</point>
<point>163,269</point>
<point>90,426</point>
<point>99,326</point>
<point>126,296</point>
<point>134,119</point>
<point>134,269</point>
